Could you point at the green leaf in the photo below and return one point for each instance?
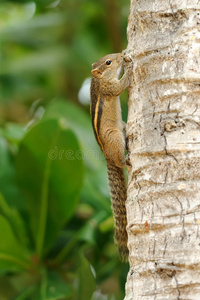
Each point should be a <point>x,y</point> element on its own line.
<point>53,287</point>
<point>12,215</point>
<point>50,176</point>
<point>8,186</point>
<point>95,190</point>
<point>86,283</point>
<point>81,124</point>
<point>13,256</point>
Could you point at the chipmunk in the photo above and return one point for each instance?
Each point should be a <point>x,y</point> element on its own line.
<point>108,128</point>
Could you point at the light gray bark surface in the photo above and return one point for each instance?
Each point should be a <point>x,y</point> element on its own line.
<point>163,205</point>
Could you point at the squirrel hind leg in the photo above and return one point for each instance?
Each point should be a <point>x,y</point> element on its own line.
<point>115,152</point>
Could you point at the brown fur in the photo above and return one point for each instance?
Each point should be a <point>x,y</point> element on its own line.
<point>108,128</point>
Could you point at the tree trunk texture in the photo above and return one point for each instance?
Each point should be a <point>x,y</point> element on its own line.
<point>163,205</point>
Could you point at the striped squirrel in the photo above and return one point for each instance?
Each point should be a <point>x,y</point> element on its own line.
<point>109,129</point>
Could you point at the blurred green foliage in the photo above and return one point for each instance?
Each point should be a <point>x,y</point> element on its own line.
<point>56,225</point>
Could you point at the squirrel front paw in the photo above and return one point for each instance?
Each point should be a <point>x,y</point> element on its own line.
<point>128,56</point>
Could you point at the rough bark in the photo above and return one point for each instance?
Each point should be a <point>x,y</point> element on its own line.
<point>163,205</point>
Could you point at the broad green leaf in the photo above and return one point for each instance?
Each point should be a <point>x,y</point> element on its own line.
<point>13,256</point>
<point>50,287</point>
<point>86,282</point>
<point>81,124</point>
<point>12,215</point>
<point>50,175</point>
<point>53,287</point>
<point>8,186</point>
<point>95,190</point>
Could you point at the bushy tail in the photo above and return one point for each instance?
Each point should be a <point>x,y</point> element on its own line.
<point>118,191</point>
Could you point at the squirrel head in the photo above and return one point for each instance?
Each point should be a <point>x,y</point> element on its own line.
<point>108,66</point>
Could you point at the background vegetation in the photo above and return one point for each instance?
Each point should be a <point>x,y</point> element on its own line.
<point>56,226</point>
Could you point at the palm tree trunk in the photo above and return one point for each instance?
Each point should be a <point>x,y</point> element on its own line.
<point>163,205</point>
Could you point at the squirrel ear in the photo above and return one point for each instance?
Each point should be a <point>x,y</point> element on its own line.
<point>96,73</point>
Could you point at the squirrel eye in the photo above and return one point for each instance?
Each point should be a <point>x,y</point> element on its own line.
<point>108,62</point>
